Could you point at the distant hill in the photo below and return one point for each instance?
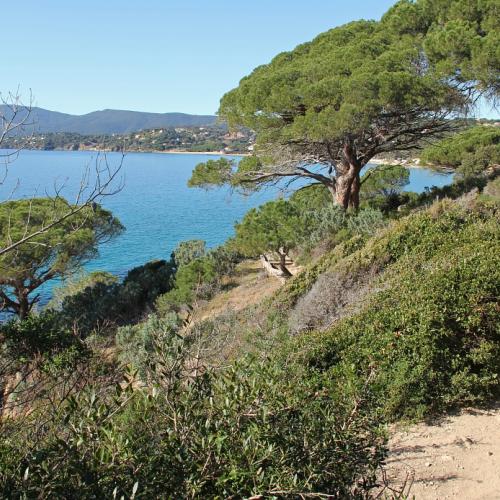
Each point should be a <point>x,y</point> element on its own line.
<point>111,121</point>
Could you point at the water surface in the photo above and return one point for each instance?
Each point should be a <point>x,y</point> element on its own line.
<point>155,205</point>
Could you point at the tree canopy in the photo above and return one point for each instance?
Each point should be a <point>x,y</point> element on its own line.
<point>323,110</point>
<point>53,253</point>
<point>461,38</point>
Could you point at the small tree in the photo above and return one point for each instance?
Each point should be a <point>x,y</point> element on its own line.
<point>53,253</point>
<point>275,227</point>
<point>323,110</point>
<point>187,251</point>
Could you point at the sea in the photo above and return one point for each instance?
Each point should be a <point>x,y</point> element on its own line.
<point>153,201</point>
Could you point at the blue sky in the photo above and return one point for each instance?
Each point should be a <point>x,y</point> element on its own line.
<point>154,55</point>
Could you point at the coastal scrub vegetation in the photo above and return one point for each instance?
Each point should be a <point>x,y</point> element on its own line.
<point>415,334</point>
<point>128,388</point>
<point>472,153</point>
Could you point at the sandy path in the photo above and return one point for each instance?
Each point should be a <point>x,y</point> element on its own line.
<point>459,457</point>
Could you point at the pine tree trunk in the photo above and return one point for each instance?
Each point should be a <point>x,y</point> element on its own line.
<point>23,305</point>
<point>347,187</point>
<point>354,195</point>
<point>343,190</point>
<point>348,183</point>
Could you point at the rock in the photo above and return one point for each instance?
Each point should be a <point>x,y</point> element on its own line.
<point>467,442</point>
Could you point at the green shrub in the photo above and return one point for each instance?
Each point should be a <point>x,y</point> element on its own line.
<point>477,163</point>
<point>366,222</point>
<point>195,280</point>
<point>324,223</point>
<point>452,150</point>
<point>136,344</point>
<point>109,304</point>
<point>313,197</point>
<point>250,430</point>
<point>187,251</point>
<point>36,335</point>
<point>473,153</point>
<point>225,258</point>
<point>431,337</point>
<point>38,357</point>
<point>77,284</point>
<point>384,181</point>
<point>199,278</point>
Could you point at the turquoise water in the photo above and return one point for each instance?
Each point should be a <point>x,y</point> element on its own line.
<point>156,206</point>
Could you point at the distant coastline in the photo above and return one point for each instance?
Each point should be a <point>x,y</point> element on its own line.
<point>214,140</point>
<point>127,151</point>
<point>407,162</point>
<point>411,163</point>
<point>182,152</point>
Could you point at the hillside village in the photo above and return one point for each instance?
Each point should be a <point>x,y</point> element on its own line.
<point>213,139</point>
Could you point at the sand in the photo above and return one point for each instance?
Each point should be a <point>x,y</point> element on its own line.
<point>457,457</point>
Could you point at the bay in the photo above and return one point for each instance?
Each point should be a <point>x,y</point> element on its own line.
<point>155,205</point>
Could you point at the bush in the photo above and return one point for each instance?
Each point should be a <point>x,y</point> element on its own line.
<point>331,226</point>
<point>196,280</point>
<point>224,259</point>
<point>38,357</point>
<point>332,296</point>
<point>77,284</point>
<point>36,335</point>
<point>366,222</point>
<point>325,223</point>
<point>474,153</point>
<point>385,181</point>
<point>451,152</point>
<point>199,279</point>
<point>252,429</point>
<point>187,251</point>
<point>106,304</point>
<point>313,197</point>
<point>430,338</point>
<point>478,162</point>
<point>296,287</point>
<point>136,344</point>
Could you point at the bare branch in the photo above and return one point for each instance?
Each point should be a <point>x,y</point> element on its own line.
<point>15,119</point>
<point>104,185</point>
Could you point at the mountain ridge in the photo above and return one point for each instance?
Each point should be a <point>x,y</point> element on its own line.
<point>108,121</point>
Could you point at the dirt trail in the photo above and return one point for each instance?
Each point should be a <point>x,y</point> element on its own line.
<point>456,458</point>
<point>249,285</point>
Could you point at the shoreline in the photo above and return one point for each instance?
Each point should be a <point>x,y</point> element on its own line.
<point>413,163</point>
<point>174,152</point>
<point>180,152</point>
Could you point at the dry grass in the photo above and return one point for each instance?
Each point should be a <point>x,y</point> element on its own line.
<point>247,287</point>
